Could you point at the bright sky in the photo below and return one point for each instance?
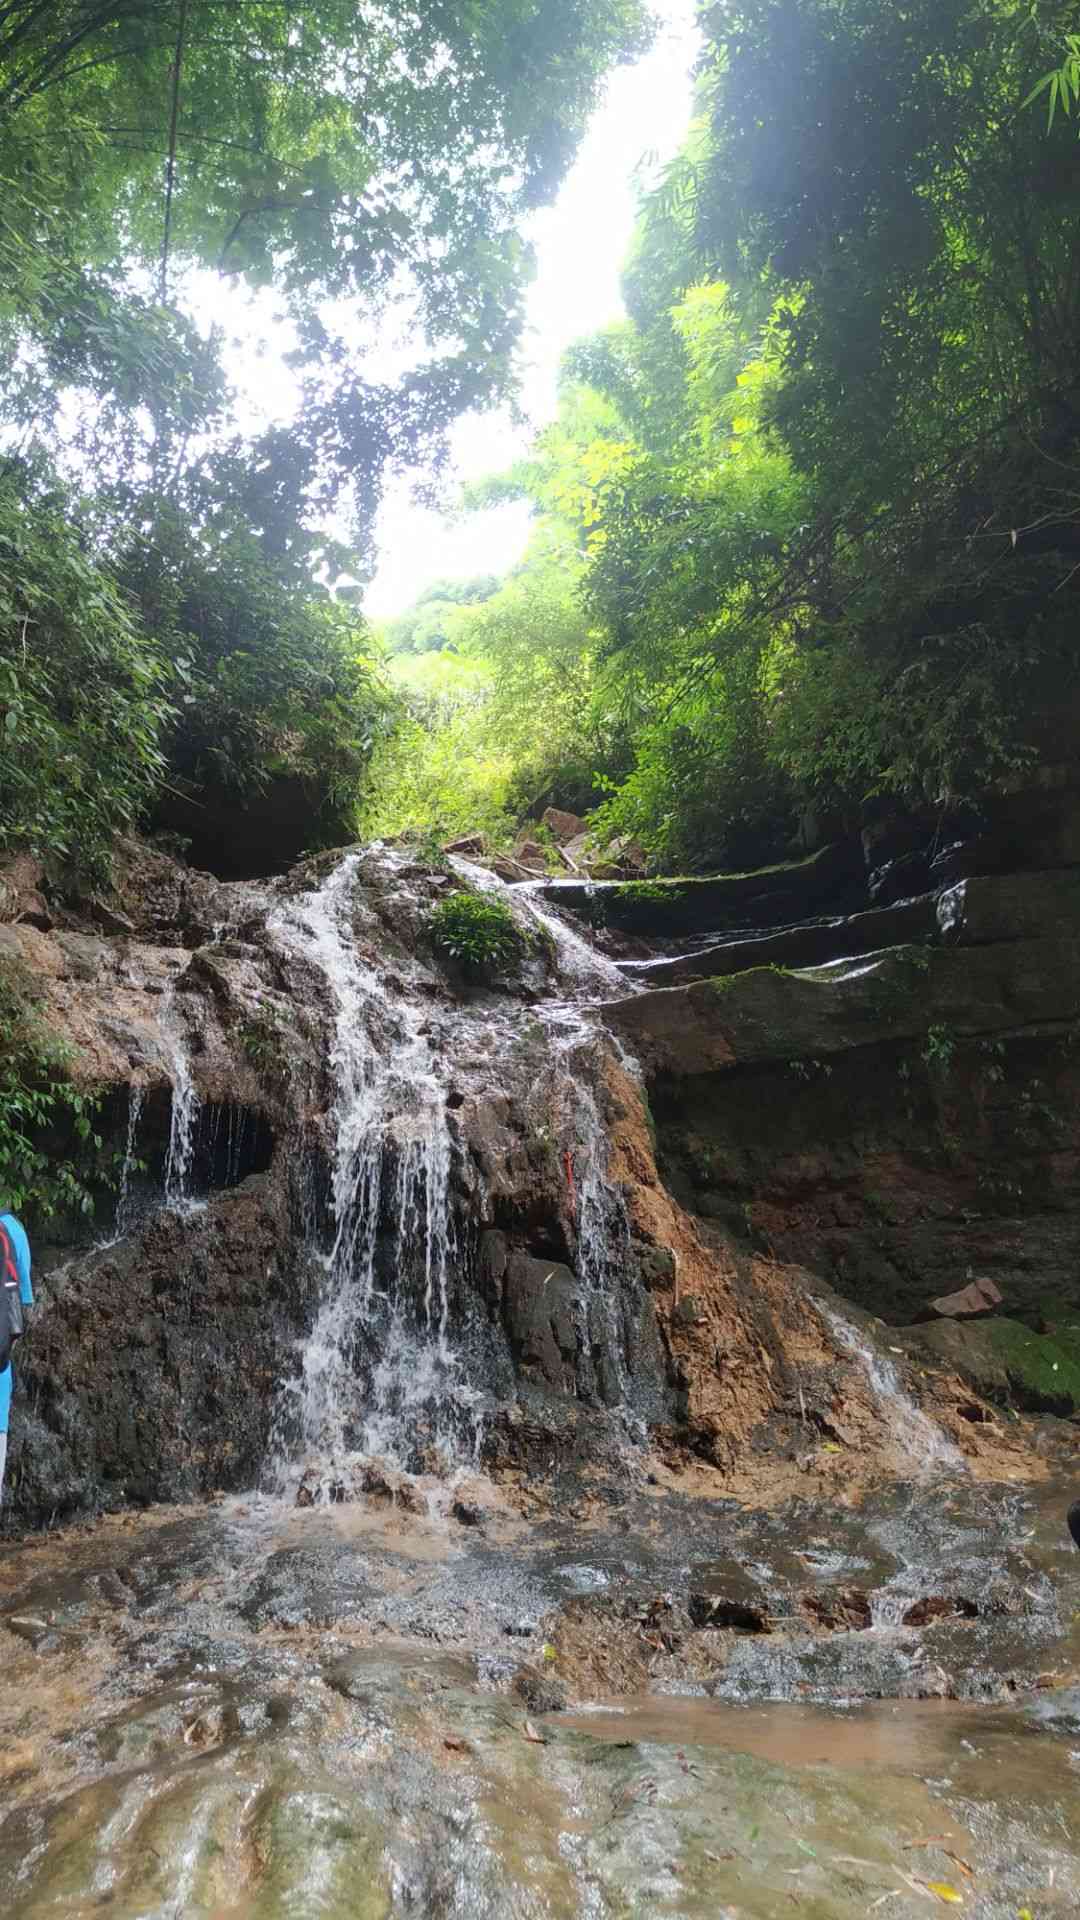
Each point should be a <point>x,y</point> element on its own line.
<point>581,243</point>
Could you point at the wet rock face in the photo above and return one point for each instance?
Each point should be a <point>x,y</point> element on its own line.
<point>893,1174</point>
<point>151,1371</point>
<point>903,1123</point>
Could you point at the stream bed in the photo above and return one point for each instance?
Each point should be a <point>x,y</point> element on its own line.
<point>631,1703</point>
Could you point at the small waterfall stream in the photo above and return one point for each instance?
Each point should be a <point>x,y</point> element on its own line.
<point>385,1371</point>
<point>184,1113</point>
<point>380,1374</point>
<point>916,1438</point>
<point>124,1208</point>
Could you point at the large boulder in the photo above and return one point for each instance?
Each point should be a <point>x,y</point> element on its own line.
<point>542,1314</point>
<point>1013,906</point>
<point>130,1368</point>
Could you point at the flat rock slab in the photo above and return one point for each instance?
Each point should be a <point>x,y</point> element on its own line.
<point>770,897</point>
<point>769,1015</point>
<point>811,944</point>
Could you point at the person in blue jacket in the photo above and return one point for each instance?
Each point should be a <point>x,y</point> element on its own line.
<point>21,1248</point>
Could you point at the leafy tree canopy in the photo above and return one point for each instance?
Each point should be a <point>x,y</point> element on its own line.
<point>370,165</point>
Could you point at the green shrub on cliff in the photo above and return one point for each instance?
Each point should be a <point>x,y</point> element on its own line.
<point>479,932</point>
<point>36,1099</point>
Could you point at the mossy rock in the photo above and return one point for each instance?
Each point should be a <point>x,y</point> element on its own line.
<point>772,1014</point>
<point>1010,1363</point>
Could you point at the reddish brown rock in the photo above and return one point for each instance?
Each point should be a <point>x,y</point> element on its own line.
<point>979,1296</point>
<point>563,827</point>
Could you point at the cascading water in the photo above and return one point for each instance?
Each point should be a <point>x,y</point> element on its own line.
<point>914,1435</point>
<point>380,1375</point>
<point>124,1220</point>
<point>184,1114</point>
<point>576,1043</point>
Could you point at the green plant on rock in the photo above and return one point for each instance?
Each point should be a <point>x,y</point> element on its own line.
<point>261,1039</point>
<point>477,931</point>
<point>939,1049</point>
<point>36,1098</point>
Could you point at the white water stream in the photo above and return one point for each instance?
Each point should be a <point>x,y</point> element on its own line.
<point>380,1374</point>
<point>124,1220</point>
<point>916,1437</point>
<point>184,1113</point>
<point>383,1372</point>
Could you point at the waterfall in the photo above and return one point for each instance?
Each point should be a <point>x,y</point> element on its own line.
<point>184,1113</point>
<point>914,1434</point>
<point>589,977</point>
<point>576,1041</point>
<point>380,1375</point>
<point>599,1211</point>
<point>123,1221</point>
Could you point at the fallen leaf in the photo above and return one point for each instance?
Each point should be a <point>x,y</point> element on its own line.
<point>830,1446</point>
<point>534,1734</point>
<point>946,1892</point>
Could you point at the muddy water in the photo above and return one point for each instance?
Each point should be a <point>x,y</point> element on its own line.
<point>255,1713</point>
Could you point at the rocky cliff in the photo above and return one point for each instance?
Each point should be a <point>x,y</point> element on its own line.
<point>571,1220</point>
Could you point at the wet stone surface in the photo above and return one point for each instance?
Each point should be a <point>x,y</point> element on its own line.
<point>261,1712</point>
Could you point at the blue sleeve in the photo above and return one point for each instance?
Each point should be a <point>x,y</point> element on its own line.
<point>21,1248</point>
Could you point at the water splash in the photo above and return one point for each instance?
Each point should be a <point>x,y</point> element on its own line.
<point>916,1437</point>
<point>380,1375</point>
<point>887,1609</point>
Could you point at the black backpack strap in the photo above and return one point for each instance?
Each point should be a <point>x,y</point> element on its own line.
<point>9,1266</point>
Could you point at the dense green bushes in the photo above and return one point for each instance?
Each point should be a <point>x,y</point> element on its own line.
<point>36,1096</point>
<point>82,685</point>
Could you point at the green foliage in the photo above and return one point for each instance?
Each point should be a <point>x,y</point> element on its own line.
<point>262,1040</point>
<point>82,687</point>
<point>273,679</point>
<point>822,491</point>
<point>36,1099</point>
<point>477,931</point>
<point>435,619</point>
<point>370,172</point>
<point>355,165</point>
<point>644,891</point>
<point>440,773</point>
<point>1062,84</point>
<point>939,1049</point>
<point>1043,1369</point>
